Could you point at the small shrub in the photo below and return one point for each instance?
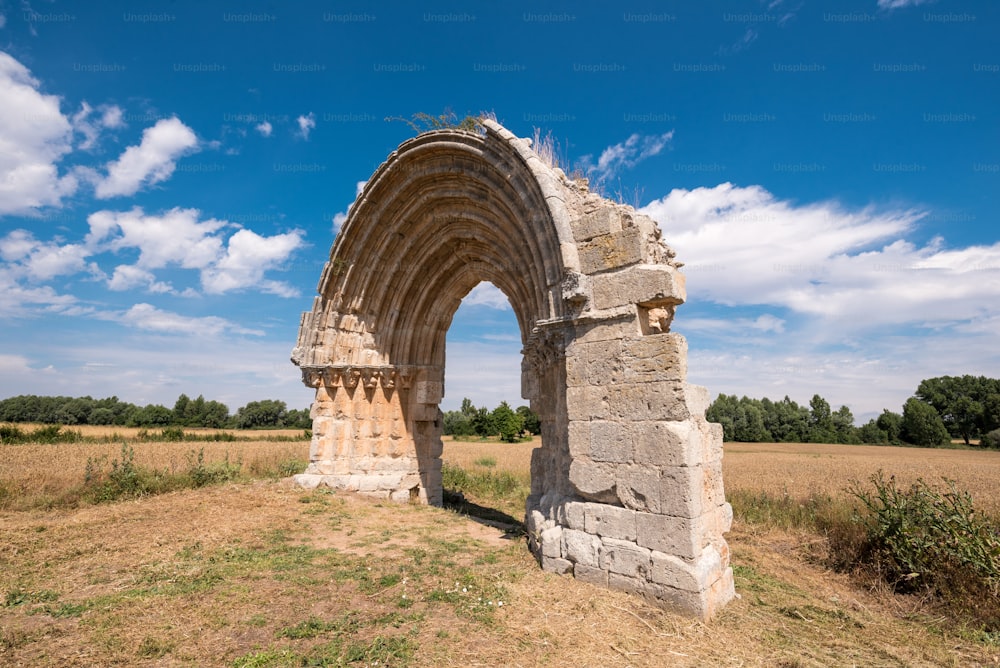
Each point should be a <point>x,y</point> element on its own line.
<point>923,540</point>
<point>11,434</point>
<point>991,439</point>
<point>171,434</point>
<point>205,474</point>
<point>125,480</point>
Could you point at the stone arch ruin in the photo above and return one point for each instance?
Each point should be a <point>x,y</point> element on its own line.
<point>626,490</point>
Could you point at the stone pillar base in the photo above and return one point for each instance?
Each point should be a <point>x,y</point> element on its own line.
<point>656,556</point>
<point>394,486</point>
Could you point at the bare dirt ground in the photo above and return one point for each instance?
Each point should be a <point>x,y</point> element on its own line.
<point>265,574</point>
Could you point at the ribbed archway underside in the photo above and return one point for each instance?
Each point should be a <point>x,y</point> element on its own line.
<point>446,211</point>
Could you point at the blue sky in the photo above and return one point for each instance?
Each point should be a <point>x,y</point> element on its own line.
<point>172,175</point>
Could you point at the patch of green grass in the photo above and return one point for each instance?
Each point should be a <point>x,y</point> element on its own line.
<point>382,651</point>
<point>18,596</point>
<point>487,462</point>
<point>154,648</point>
<point>271,658</point>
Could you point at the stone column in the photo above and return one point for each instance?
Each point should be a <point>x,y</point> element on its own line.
<point>376,431</point>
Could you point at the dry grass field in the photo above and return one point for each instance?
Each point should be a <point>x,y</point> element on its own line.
<point>801,470</point>
<point>39,474</point>
<point>260,573</point>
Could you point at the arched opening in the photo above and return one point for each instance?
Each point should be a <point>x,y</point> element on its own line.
<point>488,430</point>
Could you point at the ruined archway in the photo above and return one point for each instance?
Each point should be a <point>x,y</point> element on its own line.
<point>627,487</point>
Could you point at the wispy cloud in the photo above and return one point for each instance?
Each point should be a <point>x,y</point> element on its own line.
<point>149,318</point>
<point>264,128</point>
<point>900,4</point>
<point>625,155</point>
<point>487,294</point>
<point>744,246</point>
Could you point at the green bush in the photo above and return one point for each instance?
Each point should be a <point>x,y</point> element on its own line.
<point>124,480</point>
<point>991,439</point>
<point>205,474</point>
<point>11,434</point>
<point>924,540</point>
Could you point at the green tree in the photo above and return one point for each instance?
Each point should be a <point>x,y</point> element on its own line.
<point>892,424</point>
<point>531,422</point>
<point>507,423</point>
<point>843,426</point>
<point>870,434</point>
<point>261,414</point>
<point>821,428</point>
<point>968,405</point>
<point>922,425</point>
<point>151,415</point>
<point>181,415</point>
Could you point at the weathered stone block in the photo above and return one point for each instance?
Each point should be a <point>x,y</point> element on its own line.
<point>552,542</point>
<point>610,521</point>
<point>603,221</point>
<point>694,576</point>
<point>556,565</point>
<point>627,584</point>
<point>639,283</point>
<point>581,547</point>
<point>698,399</point>
<point>429,392</point>
<point>595,576</point>
<point>601,441</point>
<point>684,602</point>
<point>681,491</point>
<point>674,535</point>
<point>593,480</point>
<point>588,403</point>
<point>575,514</point>
<point>624,558</point>
<point>663,443</point>
<point>638,487</point>
<point>610,251</point>
<point>644,401</point>
<point>655,358</point>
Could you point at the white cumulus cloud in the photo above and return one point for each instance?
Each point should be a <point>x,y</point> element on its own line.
<point>247,256</point>
<point>176,236</point>
<point>306,125</point>
<point>34,136</point>
<point>152,161</point>
<point>743,246</point>
<point>264,128</point>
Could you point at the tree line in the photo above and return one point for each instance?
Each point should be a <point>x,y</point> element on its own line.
<point>503,421</point>
<point>942,408</point>
<point>187,412</point>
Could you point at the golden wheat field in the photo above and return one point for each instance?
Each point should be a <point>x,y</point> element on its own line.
<point>31,474</point>
<point>799,470</point>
